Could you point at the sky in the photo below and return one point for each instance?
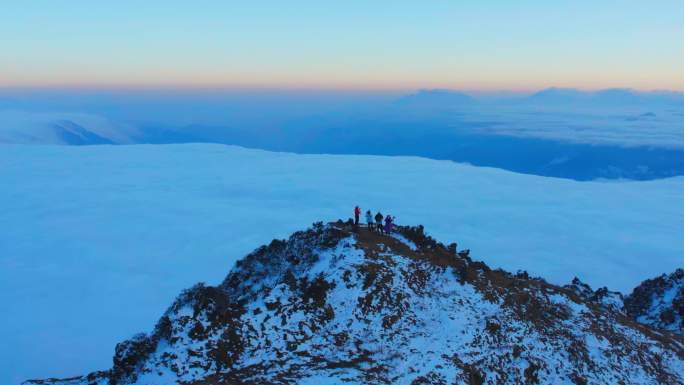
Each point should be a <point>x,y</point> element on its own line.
<point>379,45</point>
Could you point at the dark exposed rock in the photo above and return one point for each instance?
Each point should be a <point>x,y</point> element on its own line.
<point>659,302</point>
<point>602,297</point>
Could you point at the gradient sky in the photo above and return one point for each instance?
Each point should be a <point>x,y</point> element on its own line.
<point>515,45</point>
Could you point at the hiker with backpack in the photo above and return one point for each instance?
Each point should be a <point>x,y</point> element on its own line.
<point>378,222</point>
<point>369,220</point>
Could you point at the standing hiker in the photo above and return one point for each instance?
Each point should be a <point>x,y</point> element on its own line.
<point>369,220</point>
<point>388,224</point>
<point>378,221</point>
<point>357,213</point>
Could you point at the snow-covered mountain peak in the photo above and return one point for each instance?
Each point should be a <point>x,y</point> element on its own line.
<point>337,305</point>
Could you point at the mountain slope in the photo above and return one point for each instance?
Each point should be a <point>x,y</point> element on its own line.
<point>25,127</point>
<point>330,305</point>
<point>659,302</point>
<point>73,134</point>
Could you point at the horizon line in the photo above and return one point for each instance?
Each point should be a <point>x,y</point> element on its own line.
<point>308,88</point>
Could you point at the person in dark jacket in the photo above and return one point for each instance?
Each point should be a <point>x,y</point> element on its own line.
<point>378,222</point>
<point>357,213</point>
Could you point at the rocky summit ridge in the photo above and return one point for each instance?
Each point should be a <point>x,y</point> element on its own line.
<point>331,305</point>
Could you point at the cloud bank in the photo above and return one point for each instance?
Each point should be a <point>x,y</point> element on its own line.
<point>555,132</point>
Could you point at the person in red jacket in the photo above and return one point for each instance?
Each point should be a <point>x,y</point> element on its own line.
<point>357,213</point>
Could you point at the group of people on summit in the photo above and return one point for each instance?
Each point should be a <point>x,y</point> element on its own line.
<point>375,223</point>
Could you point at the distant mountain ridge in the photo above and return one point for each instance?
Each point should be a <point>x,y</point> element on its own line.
<point>436,98</point>
<point>552,96</point>
<point>333,305</point>
<point>614,97</point>
<point>73,134</point>
<point>23,127</point>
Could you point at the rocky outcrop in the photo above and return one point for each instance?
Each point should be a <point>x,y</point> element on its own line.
<point>659,302</point>
<point>611,300</point>
<point>331,306</point>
